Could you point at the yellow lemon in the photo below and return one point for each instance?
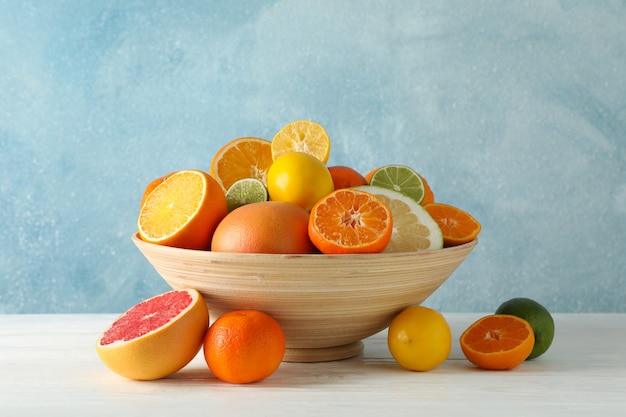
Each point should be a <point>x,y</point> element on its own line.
<point>299,178</point>
<point>419,338</point>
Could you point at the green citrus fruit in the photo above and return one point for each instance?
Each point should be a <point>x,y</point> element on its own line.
<point>539,318</point>
<point>399,178</point>
<point>245,191</point>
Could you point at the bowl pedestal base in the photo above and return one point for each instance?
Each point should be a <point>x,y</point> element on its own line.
<point>326,354</point>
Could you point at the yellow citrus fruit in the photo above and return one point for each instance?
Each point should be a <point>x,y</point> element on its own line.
<point>302,136</point>
<point>156,337</point>
<point>419,338</point>
<point>299,178</point>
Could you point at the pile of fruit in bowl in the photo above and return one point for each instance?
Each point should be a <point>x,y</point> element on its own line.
<point>332,254</point>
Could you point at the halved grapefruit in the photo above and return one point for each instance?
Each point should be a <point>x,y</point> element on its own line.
<point>156,337</point>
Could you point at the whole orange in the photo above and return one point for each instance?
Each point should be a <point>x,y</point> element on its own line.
<point>345,177</point>
<point>244,346</point>
<point>265,227</point>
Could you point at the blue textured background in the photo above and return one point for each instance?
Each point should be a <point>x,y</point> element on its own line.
<point>514,111</point>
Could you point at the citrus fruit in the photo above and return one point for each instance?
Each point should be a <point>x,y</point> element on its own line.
<point>266,227</point>
<point>350,221</point>
<point>498,341</point>
<point>429,196</point>
<point>246,157</point>
<point>156,337</point>
<point>302,136</point>
<point>458,226</point>
<point>419,338</point>
<point>151,186</point>
<point>399,178</point>
<point>539,318</point>
<point>345,177</point>
<point>183,211</point>
<point>245,191</point>
<point>298,178</point>
<point>413,228</point>
<point>244,346</point>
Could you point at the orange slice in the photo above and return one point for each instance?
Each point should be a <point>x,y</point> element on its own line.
<point>302,136</point>
<point>458,226</point>
<point>241,158</point>
<point>350,221</point>
<point>183,211</point>
<point>498,341</point>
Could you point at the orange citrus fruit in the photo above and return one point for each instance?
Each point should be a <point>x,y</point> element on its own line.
<point>498,341</point>
<point>419,338</point>
<point>183,211</point>
<point>151,186</point>
<point>156,337</point>
<point>240,158</point>
<point>298,178</point>
<point>302,136</point>
<point>539,318</point>
<point>346,177</point>
<point>350,221</point>
<point>265,227</point>
<point>244,346</point>
<point>457,226</point>
<point>429,196</point>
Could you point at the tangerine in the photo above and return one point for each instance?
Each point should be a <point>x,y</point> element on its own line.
<point>498,341</point>
<point>244,346</point>
<point>458,226</point>
<point>350,221</point>
<point>345,177</point>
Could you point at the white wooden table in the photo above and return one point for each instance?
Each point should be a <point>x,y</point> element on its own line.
<point>49,366</point>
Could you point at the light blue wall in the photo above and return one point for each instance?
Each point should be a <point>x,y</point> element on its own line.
<point>514,111</point>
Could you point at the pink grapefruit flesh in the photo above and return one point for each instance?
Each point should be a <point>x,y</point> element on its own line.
<point>156,337</point>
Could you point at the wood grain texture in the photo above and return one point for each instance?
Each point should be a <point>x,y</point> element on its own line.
<point>326,303</point>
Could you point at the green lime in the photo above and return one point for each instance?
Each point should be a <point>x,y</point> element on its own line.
<point>400,178</point>
<point>539,318</point>
<point>245,191</point>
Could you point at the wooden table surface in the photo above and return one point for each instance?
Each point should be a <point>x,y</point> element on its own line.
<point>49,366</point>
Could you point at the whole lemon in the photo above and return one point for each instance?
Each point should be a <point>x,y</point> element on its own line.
<point>299,178</point>
<point>419,338</point>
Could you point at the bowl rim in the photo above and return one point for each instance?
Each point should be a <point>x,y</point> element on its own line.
<point>353,256</point>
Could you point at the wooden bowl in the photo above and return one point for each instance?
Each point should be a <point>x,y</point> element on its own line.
<point>326,304</point>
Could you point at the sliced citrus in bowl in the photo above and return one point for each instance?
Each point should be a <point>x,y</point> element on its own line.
<point>245,191</point>
<point>350,221</point>
<point>246,157</point>
<point>413,228</point>
<point>183,211</point>
<point>302,136</point>
<point>458,226</point>
<point>399,178</point>
<point>157,337</point>
<point>498,341</point>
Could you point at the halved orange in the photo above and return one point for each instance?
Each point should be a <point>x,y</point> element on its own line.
<point>458,226</point>
<point>183,211</point>
<point>350,221</point>
<point>302,136</point>
<point>498,341</point>
<point>240,158</point>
